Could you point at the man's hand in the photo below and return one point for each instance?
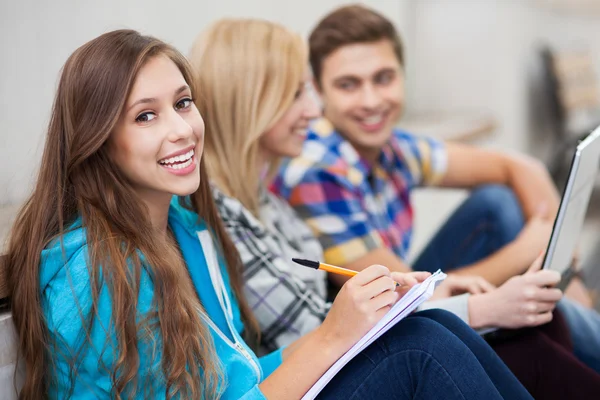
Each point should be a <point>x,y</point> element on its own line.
<point>459,284</point>
<point>523,301</point>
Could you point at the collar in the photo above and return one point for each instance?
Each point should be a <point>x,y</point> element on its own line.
<point>180,214</point>
<point>374,173</point>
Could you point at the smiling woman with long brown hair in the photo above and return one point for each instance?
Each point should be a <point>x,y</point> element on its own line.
<point>92,270</point>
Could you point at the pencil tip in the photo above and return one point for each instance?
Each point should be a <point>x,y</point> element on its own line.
<point>306,263</point>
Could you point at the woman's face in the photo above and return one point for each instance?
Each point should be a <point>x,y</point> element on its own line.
<point>159,139</point>
<point>286,137</point>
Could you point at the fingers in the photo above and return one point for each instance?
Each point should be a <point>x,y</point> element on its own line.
<point>544,307</point>
<point>370,274</point>
<point>544,278</point>
<point>473,288</point>
<point>420,275</point>
<point>544,294</point>
<point>385,300</point>
<point>472,284</point>
<point>538,307</point>
<point>485,285</point>
<point>479,285</point>
<point>537,264</point>
<point>539,319</point>
<point>411,278</point>
<point>406,280</point>
<point>378,286</point>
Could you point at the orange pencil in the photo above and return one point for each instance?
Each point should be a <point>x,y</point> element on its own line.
<point>327,267</point>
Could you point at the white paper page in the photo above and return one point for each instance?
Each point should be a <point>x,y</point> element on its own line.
<point>407,304</point>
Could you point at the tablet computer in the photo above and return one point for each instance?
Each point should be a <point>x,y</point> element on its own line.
<point>573,207</point>
<point>569,219</point>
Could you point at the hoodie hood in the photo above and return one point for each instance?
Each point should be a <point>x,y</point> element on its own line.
<point>60,251</point>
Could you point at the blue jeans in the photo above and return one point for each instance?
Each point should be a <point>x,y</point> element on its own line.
<point>489,219</point>
<point>429,355</point>
<point>486,221</point>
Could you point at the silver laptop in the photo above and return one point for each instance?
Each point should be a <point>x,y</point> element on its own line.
<point>573,207</point>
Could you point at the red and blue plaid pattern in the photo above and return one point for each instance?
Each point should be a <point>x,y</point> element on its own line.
<point>352,207</point>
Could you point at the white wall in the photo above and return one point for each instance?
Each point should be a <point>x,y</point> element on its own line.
<point>471,54</point>
<point>37,36</point>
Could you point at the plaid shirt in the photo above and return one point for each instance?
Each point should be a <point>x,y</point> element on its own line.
<point>353,207</point>
<point>288,300</point>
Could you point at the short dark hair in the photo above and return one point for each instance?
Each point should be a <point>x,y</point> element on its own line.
<point>348,25</point>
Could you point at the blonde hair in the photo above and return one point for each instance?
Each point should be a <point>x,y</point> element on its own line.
<point>247,72</point>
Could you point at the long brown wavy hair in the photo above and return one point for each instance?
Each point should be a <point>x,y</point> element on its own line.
<point>78,179</point>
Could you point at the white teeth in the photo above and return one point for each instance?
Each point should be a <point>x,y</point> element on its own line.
<point>184,157</point>
<point>375,119</point>
<point>180,166</point>
<point>302,132</point>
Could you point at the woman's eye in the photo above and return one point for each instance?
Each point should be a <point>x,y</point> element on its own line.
<point>145,117</point>
<point>183,104</point>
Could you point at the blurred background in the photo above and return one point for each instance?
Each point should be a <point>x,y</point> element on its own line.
<point>513,74</point>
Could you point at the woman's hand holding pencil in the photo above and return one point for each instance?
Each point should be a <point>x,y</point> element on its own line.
<point>404,280</point>
<point>362,302</point>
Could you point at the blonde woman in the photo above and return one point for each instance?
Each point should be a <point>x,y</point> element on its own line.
<point>256,97</point>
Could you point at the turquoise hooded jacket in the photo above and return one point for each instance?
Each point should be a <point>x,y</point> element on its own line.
<point>67,298</point>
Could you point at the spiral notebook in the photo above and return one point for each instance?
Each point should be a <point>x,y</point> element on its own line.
<point>407,304</point>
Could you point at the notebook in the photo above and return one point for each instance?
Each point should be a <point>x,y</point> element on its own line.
<point>407,304</point>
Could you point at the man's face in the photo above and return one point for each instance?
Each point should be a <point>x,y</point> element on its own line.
<point>362,87</point>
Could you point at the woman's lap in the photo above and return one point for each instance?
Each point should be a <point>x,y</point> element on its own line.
<point>418,358</point>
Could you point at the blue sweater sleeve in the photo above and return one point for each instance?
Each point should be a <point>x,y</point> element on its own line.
<point>67,305</point>
<point>271,362</point>
<point>67,300</point>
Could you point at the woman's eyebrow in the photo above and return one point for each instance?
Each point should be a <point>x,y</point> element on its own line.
<point>148,100</point>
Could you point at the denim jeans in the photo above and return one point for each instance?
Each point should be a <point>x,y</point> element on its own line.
<point>486,221</point>
<point>429,355</point>
<point>489,219</point>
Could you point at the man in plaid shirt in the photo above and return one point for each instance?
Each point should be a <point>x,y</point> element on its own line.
<point>353,181</point>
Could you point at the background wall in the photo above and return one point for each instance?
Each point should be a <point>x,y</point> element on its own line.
<point>37,36</point>
<point>483,54</point>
